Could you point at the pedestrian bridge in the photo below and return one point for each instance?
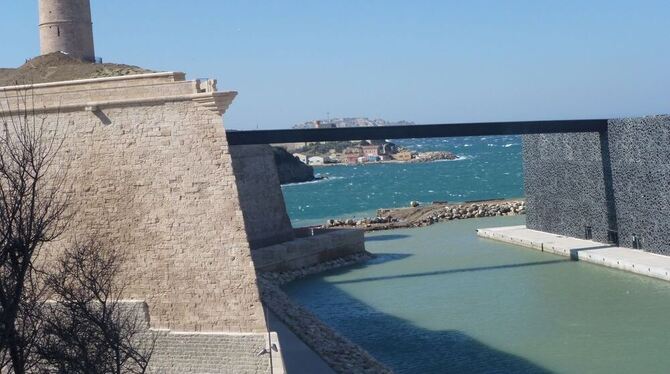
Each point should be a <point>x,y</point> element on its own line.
<point>249,137</point>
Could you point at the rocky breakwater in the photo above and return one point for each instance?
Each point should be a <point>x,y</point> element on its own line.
<point>340,353</point>
<point>433,156</point>
<point>418,215</point>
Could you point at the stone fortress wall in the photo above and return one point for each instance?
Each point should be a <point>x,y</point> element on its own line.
<point>618,181</point>
<point>65,25</point>
<point>265,218</point>
<point>151,172</point>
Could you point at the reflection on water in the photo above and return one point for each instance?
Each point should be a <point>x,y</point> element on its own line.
<point>439,299</point>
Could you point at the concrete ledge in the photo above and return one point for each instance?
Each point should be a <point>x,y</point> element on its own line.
<point>95,94</point>
<point>193,352</point>
<point>303,252</point>
<point>630,260</point>
<point>169,76</point>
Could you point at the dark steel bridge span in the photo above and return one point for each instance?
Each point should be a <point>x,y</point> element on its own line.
<point>248,137</point>
<point>599,126</point>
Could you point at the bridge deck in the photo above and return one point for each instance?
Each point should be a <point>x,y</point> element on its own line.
<point>415,131</point>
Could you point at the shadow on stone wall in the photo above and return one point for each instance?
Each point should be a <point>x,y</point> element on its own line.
<point>261,199</point>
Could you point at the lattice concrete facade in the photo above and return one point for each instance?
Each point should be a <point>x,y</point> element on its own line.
<point>618,180</point>
<point>151,172</point>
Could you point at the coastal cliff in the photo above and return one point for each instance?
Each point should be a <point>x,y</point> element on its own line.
<point>290,169</point>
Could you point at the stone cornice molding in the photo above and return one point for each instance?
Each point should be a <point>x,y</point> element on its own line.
<point>217,102</point>
<point>175,76</point>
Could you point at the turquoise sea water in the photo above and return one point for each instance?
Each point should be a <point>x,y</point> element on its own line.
<point>440,300</point>
<point>488,167</point>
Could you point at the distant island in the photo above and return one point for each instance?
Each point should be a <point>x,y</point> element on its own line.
<point>350,122</point>
<point>297,167</point>
<point>295,160</point>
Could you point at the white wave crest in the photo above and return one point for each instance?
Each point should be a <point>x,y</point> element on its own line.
<point>458,158</point>
<point>322,180</point>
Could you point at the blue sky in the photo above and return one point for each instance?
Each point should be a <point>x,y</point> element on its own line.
<point>422,61</point>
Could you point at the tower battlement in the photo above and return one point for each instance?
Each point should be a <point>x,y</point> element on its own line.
<point>66,26</point>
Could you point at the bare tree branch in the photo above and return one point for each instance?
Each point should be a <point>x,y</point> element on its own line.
<point>89,330</point>
<point>32,213</point>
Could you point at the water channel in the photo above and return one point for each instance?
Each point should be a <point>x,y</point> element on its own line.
<point>439,299</point>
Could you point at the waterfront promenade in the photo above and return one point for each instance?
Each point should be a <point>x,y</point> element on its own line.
<point>631,260</point>
<point>298,357</point>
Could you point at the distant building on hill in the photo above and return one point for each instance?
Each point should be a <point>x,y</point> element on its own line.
<point>316,160</point>
<point>379,148</point>
<point>351,155</point>
<point>352,122</point>
<point>403,156</point>
<point>324,125</point>
<point>301,157</point>
<point>372,150</point>
<point>389,148</point>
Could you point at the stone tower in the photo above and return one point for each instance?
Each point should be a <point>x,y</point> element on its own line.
<point>65,25</point>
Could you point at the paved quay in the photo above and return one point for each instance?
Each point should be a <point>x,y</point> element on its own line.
<point>631,260</point>
<point>298,357</point>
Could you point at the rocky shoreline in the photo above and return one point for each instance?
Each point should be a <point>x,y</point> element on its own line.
<point>340,353</point>
<point>425,215</point>
<point>421,157</point>
<point>290,169</point>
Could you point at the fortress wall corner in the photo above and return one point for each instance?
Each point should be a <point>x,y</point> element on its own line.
<point>150,172</point>
<point>261,199</point>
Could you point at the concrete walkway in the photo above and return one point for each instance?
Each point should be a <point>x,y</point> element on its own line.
<point>631,260</point>
<point>298,358</point>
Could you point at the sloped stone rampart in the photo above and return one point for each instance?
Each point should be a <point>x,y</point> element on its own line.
<point>261,199</point>
<point>150,171</point>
